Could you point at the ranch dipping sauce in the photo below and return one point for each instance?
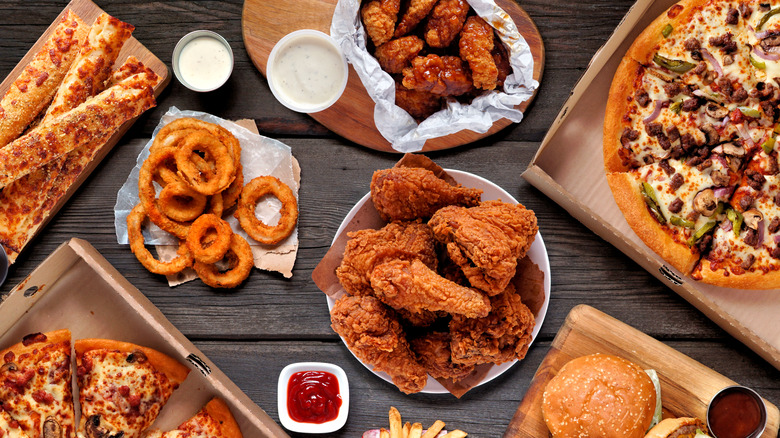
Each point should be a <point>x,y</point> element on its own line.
<point>306,71</point>
<point>202,61</point>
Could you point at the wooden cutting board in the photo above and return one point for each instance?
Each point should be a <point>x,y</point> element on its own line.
<point>265,22</point>
<point>89,11</point>
<point>686,385</point>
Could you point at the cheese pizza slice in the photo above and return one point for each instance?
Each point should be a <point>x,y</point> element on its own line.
<point>122,386</point>
<point>213,421</point>
<point>35,387</point>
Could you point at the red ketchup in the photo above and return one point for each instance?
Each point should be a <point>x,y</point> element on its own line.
<point>735,414</point>
<point>313,397</point>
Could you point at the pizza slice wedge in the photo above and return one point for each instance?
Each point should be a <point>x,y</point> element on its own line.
<point>674,207</point>
<point>213,421</point>
<point>122,386</point>
<point>35,387</point>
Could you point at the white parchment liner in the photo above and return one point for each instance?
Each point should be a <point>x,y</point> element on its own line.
<point>259,156</point>
<point>395,124</point>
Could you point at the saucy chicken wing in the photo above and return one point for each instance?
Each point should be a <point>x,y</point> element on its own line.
<point>476,42</point>
<point>443,75</point>
<point>396,54</point>
<point>414,14</point>
<point>419,104</point>
<point>445,22</point>
<point>379,17</point>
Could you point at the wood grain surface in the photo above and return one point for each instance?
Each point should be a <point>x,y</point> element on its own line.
<point>686,385</point>
<point>254,331</point>
<point>265,22</point>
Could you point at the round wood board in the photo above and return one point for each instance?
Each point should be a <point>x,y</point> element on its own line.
<point>264,22</point>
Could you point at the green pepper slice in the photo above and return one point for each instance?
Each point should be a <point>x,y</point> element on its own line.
<point>674,65</point>
<point>648,194</point>
<point>736,220</point>
<point>667,30</point>
<point>701,232</point>
<point>676,107</point>
<point>761,65</point>
<point>680,222</point>
<point>719,209</point>
<point>766,18</point>
<point>768,145</point>
<point>777,129</point>
<point>749,112</point>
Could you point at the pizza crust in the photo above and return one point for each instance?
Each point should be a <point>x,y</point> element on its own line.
<point>749,280</point>
<point>653,234</point>
<point>678,15</point>
<point>55,337</point>
<point>174,370</point>
<point>621,93</point>
<point>220,411</point>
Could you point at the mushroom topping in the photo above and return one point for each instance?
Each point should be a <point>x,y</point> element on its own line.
<point>712,134</point>
<point>51,428</point>
<point>705,202</point>
<point>92,429</point>
<point>716,111</point>
<point>751,218</point>
<point>8,366</point>
<point>136,356</point>
<point>733,150</point>
<point>719,178</point>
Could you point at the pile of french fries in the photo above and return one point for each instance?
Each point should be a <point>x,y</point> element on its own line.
<point>398,429</point>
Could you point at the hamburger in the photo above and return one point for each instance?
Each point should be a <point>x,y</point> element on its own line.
<point>600,396</point>
<point>684,427</point>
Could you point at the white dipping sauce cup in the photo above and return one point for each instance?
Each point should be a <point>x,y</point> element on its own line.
<point>204,68</point>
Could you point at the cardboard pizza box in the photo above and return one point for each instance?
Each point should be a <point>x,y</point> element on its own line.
<point>569,168</point>
<point>76,288</point>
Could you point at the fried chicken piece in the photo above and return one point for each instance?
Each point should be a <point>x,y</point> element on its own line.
<point>419,104</point>
<point>445,22</point>
<point>395,240</point>
<point>379,17</point>
<point>486,241</point>
<point>502,336</point>
<point>414,14</point>
<point>442,75</point>
<point>501,58</point>
<point>434,353</point>
<point>396,54</point>
<point>476,42</point>
<point>410,285</point>
<point>407,193</point>
<point>372,332</point>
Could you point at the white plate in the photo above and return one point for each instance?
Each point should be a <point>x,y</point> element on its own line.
<point>537,254</point>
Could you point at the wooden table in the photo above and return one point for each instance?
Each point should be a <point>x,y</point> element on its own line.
<point>252,332</point>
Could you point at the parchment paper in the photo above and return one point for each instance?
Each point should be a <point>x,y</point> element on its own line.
<point>259,156</point>
<point>395,124</point>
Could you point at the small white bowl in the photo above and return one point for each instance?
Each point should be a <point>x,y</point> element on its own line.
<point>327,427</point>
<point>177,64</point>
<point>313,38</point>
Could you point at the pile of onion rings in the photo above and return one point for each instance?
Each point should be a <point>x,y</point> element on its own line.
<point>198,167</point>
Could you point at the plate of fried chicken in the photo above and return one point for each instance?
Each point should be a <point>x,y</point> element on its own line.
<point>450,285</point>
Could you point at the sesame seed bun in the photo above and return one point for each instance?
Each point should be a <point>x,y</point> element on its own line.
<point>683,427</point>
<point>599,396</point>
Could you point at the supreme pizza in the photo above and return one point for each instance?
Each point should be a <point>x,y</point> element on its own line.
<point>690,140</point>
<point>122,389</point>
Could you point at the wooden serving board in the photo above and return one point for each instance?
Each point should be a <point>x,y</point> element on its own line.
<point>89,11</point>
<point>265,22</point>
<point>686,385</point>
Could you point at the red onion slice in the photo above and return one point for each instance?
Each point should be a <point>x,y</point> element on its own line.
<point>776,238</point>
<point>723,193</point>
<point>725,121</point>
<point>762,34</point>
<point>656,111</point>
<point>708,56</point>
<point>745,134</point>
<point>726,226</point>
<point>764,55</point>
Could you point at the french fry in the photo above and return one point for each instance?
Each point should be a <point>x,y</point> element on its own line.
<point>383,433</point>
<point>396,430</point>
<point>415,431</point>
<point>434,429</point>
<point>406,428</point>
<point>455,434</point>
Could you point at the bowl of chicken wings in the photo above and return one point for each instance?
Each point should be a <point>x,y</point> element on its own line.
<point>448,288</point>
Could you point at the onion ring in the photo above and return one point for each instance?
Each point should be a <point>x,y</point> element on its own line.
<point>180,203</point>
<point>209,239</point>
<point>189,123</point>
<point>135,222</point>
<point>233,192</point>
<point>216,205</point>
<point>245,212</point>
<point>240,261</point>
<point>206,182</point>
<point>146,192</point>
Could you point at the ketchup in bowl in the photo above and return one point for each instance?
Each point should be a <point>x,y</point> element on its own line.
<point>736,412</point>
<point>313,397</point>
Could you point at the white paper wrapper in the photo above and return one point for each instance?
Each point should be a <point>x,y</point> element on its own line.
<point>259,156</point>
<point>395,124</point>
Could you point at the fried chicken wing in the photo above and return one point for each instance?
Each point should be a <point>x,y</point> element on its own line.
<point>502,336</point>
<point>486,241</point>
<point>414,14</point>
<point>501,58</point>
<point>393,241</point>
<point>410,285</point>
<point>407,193</point>
<point>374,334</point>
<point>419,104</point>
<point>445,22</point>
<point>434,353</point>
<point>442,75</point>
<point>396,54</point>
<point>379,17</point>
<point>476,42</point>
